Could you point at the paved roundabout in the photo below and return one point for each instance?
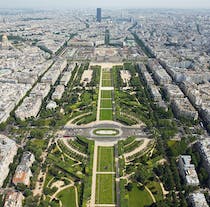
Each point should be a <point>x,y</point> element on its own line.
<point>105,130</point>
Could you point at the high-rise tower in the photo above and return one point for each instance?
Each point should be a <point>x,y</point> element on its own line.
<point>98,15</point>
<point>107,37</point>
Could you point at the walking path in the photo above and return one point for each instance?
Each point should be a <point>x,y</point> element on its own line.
<point>117,176</point>
<point>99,97</point>
<point>113,173</point>
<point>138,149</point>
<point>105,205</point>
<point>148,190</point>
<point>61,189</point>
<point>163,190</point>
<point>93,188</point>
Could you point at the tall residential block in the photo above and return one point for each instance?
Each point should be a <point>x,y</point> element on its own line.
<point>98,15</point>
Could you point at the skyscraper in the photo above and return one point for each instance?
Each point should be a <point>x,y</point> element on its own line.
<point>107,37</point>
<point>98,15</point>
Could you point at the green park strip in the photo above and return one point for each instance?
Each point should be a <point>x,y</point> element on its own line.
<point>67,197</point>
<point>105,159</point>
<point>105,189</point>
<point>139,197</point>
<point>106,103</point>
<point>106,75</point>
<point>106,83</point>
<point>106,132</point>
<point>106,94</point>
<point>106,114</point>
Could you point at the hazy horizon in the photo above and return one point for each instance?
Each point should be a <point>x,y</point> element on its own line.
<point>53,4</point>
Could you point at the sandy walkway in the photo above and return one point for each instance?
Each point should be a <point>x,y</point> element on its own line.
<point>105,65</point>
<point>138,149</point>
<point>93,188</point>
<point>99,98</point>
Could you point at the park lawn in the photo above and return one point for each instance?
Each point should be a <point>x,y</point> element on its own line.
<point>105,159</point>
<point>154,162</point>
<point>67,197</point>
<point>38,144</point>
<point>106,94</point>
<point>106,75</point>
<point>106,83</point>
<point>156,190</point>
<point>106,103</point>
<point>171,143</point>
<point>139,198</point>
<point>106,114</point>
<point>105,189</point>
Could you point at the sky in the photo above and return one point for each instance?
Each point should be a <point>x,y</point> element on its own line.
<point>61,4</point>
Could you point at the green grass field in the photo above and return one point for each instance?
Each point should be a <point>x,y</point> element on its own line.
<point>171,143</point>
<point>105,189</point>
<point>105,159</point>
<point>106,94</point>
<point>106,114</point>
<point>106,75</point>
<point>106,103</point>
<point>106,83</point>
<point>67,197</point>
<point>139,198</point>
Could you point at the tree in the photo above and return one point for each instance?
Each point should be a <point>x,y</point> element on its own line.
<point>3,126</point>
<point>44,203</point>
<point>129,187</point>
<point>31,201</point>
<point>139,176</point>
<point>47,191</point>
<point>37,133</point>
<point>203,175</point>
<point>21,187</point>
<point>27,193</point>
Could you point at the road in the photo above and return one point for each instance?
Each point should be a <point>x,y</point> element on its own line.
<point>87,130</point>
